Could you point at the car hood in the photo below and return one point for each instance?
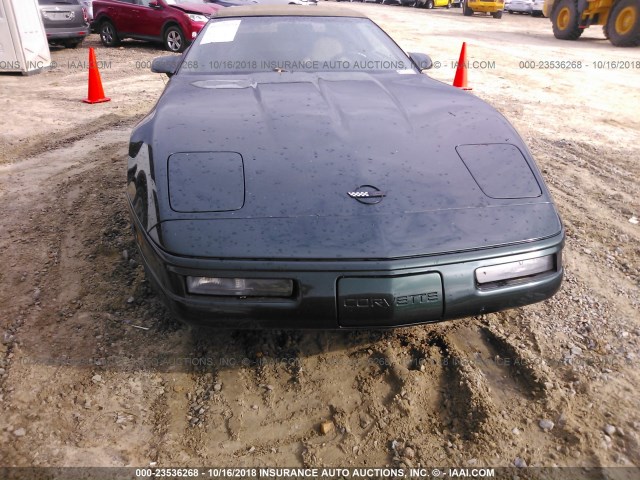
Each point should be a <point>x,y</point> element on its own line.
<point>300,142</point>
<point>207,9</point>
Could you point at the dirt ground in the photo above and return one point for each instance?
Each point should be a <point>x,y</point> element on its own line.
<point>94,372</point>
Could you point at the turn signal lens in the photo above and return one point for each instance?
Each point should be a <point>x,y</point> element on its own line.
<point>240,287</point>
<point>515,270</point>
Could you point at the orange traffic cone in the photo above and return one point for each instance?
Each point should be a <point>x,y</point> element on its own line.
<point>95,93</point>
<point>460,79</point>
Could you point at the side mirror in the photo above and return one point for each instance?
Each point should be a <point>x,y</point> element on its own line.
<point>421,60</point>
<point>155,4</point>
<point>168,64</point>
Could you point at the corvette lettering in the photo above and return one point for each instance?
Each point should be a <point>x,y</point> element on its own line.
<point>417,298</point>
<point>400,301</point>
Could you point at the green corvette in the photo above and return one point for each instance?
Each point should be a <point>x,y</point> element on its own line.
<point>300,170</point>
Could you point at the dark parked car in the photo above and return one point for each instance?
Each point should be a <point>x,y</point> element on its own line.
<point>174,23</point>
<point>324,183</point>
<point>66,22</point>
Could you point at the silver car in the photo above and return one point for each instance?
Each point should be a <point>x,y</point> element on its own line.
<point>520,6</point>
<point>66,22</point>
<point>537,8</point>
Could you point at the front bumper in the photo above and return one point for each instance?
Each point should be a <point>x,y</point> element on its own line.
<point>333,294</point>
<point>193,30</point>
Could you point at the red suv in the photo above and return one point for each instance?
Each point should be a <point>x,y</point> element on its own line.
<point>175,23</point>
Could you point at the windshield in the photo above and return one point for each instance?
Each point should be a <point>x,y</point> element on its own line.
<point>288,43</point>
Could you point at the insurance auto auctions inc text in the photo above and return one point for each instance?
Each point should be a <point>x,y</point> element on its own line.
<point>395,473</point>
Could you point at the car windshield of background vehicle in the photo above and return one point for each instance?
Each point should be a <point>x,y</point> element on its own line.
<point>293,44</point>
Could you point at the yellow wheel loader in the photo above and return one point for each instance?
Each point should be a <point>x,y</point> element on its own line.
<point>620,19</point>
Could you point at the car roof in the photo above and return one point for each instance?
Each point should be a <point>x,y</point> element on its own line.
<point>287,11</point>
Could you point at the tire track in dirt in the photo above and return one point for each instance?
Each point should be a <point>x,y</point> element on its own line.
<point>83,385</point>
<point>37,144</point>
<point>596,216</point>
